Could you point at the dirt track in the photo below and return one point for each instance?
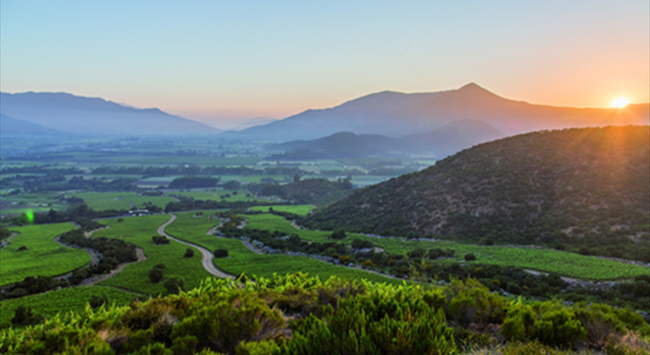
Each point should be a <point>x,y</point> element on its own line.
<point>207,256</point>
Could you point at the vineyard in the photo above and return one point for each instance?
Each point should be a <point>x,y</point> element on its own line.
<point>42,256</point>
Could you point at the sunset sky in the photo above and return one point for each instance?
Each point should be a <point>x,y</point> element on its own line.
<point>222,61</point>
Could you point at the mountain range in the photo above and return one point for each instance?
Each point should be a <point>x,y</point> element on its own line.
<point>397,114</point>
<point>446,140</point>
<point>84,115</point>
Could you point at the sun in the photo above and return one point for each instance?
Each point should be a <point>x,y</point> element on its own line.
<point>620,102</point>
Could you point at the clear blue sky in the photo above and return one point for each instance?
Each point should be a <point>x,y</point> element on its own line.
<point>247,58</point>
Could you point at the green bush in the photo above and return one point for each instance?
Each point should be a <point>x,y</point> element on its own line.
<point>220,253</point>
<point>174,284</point>
<point>386,321</point>
<point>559,328</point>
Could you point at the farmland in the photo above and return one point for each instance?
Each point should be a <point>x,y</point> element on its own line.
<point>563,263</point>
<point>139,230</point>
<point>106,200</point>
<point>243,260</point>
<point>43,256</point>
<point>298,209</point>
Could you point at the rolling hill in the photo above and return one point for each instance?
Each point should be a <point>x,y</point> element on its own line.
<point>446,140</point>
<point>344,145</point>
<point>587,188</point>
<point>398,114</point>
<point>85,115</point>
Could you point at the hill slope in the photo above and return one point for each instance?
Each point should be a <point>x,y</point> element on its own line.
<point>85,115</point>
<point>584,187</point>
<point>346,145</point>
<point>10,126</point>
<point>398,114</point>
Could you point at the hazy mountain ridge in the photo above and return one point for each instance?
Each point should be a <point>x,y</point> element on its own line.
<point>85,115</point>
<point>440,142</point>
<point>10,127</point>
<point>543,187</point>
<point>398,114</point>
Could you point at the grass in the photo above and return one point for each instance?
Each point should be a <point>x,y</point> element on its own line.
<point>139,230</point>
<point>258,178</point>
<point>61,301</point>
<point>43,257</point>
<point>101,201</point>
<point>242,260</point>
<point>563,263</point>
<point>160,201</point>
<point>302,210</point>
<point>198,160</point>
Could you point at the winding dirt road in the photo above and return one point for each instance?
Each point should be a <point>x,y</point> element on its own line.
<point>207,256</point>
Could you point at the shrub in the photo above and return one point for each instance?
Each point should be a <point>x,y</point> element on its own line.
<point>189,253</point>
<point>156,275</point>
<point>559,328</point>
<point>25,316</point>
<point>226,319</point>
<point>22,247</point>
<point>470,257</point>
<point>382,322</point>
<point>472,303</point>
<point>174,284</point>
<point>220,253</point>
<point>98,301</point>
<point>360,244</point>
<point>368,264</point>
<point>338,234</point>
<point>158,239</point>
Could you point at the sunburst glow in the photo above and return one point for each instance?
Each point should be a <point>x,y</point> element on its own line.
<point>620,102</point>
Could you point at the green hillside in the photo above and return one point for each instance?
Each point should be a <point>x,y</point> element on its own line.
<point>585,189</point>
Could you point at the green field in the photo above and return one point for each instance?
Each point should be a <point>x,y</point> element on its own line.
<point>139,230</point>
<point>101,201</point>
<point>258,178</point>
<point>198,160</point>
<point>160,201</point>
<point>43,257</point>
<point>563,263</point>
<point>34,202</point>
<point>299,209</point>
<point>62,301</point>
<point>120,200</point>
<point>242,260</point>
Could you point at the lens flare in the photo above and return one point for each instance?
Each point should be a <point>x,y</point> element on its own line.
<point>30,216</point>
<point>620,102</point>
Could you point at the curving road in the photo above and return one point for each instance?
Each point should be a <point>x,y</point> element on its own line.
<point>207,256</point>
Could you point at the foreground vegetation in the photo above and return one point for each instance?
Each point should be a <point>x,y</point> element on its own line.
<point>304,315</point>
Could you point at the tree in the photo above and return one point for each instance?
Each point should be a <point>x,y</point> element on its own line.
<point>338,234</point>
<point>232,185</point>
<point>296,178</point>
<point>221,253</point>
<point>156,274</point>
<point>470,257</point>
<point>174,284</point>
<point>98,301</point>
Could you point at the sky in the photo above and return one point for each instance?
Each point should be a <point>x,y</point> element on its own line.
<point>222,62</point>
